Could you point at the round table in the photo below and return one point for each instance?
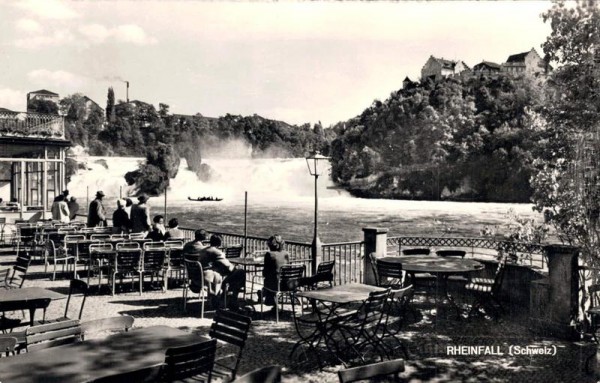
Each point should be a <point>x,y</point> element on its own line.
<point>435,265</point>
<point>441,267</point>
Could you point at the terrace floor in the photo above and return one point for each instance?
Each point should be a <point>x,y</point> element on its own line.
<point>427,338</point>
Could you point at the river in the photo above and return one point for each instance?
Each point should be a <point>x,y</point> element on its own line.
<point>281,200</point>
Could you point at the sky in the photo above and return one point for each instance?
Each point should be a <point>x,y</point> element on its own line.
<point>300,62</point>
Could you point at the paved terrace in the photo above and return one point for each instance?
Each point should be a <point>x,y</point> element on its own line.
<point>426,338</point>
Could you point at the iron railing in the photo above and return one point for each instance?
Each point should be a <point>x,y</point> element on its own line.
<point>530,254</point>
<point>28,124</point>
<point>348,258</point>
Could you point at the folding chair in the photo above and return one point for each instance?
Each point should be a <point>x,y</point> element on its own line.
<point>486,295</point>
<point>288,281</point>
<point>231,328</point>
<point>372,371</point>
<point>269,374</point>
<point>193,361</point>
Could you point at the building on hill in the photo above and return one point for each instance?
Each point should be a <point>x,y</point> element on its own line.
<point>41,95</point>
<point>487,67</point>
<point>528,63</point>
<point>408,83</point>
<point>438,68</point>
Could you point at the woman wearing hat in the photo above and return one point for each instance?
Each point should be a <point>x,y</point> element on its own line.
<point>96,213</point>
<point>140,216</point>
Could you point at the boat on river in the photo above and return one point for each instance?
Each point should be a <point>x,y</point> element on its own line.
<point>205,199</point>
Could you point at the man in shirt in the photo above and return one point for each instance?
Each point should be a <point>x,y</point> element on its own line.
<point>140,216</point>
<point>97,213</point>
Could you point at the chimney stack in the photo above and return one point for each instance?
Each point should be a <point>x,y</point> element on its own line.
<point>127,82</point>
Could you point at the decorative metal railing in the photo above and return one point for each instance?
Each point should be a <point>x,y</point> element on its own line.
<point>530,254</point>
<point>27,124</point>
<point>348,258</point>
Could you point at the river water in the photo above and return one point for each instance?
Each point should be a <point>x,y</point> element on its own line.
<point>281,200</point>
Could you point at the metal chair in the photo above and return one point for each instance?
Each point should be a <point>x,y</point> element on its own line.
<point>416,251</point>
<point>127,262</point>
<point>196,360</point>
<point>451,253</point>
<point>269,374</point>
<point>194,281</point>
<point>8,344</point>
<point>137,236</point>
<point>288,281</point>
<point>76,287</point>
<point>230,328</point>
<point>2,225</point>
<point>56,254</point>
<point>372,371</point>
<point>323,278</point>
<point>52,334</point>
<point>389,274</point>
<point>361,330</point>
<point>100,237</point>
<point>486,295</point>
<point>21,267</point>
<point>154,259</point>
<point>233,251</point>
<point>176,262</point>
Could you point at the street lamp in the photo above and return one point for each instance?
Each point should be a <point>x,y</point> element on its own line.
<point>316,165</point>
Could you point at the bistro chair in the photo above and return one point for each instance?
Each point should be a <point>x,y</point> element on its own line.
<point>100,237</point>
<point>142,375</point>
<point>176,264</point>
<point>451,253</point>
<point>76,287</point>
<point>20,270</point>
<point>112,324</point>
<point>371,371</point>
<point>233,251</point>
<point>127,263</point>
<point>98,257</point>
<point>322,279</point>
<point>288,281</point>
<point>193,361</point>
<point>154,258</point>
<point>231,328</point>
<point>395,317</point>
<point>137,236</point>
<point>416,251</point>
<point>486,295</point>
<point>360,331</point>
<point>57,254</point>
<point>194,281</point>
<point>269,374</point>
<point>389,274</point>
<point>52,334</point>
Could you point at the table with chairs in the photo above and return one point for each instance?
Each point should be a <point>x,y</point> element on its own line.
<point>345,319</point>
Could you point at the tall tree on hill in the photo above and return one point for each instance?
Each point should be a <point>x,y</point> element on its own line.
<point>110,105</point>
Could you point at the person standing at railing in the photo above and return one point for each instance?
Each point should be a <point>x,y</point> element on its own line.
<point>121,221</point>
<point>60,209</point>
<point>140,216</point>
<point>97,213</point>
<point>73,208</point>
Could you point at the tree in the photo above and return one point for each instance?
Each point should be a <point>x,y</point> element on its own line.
<point>566,183</point>
<point>42,106</point>
<point>110,105</point>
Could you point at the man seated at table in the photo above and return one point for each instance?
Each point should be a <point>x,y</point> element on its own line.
<point>221,274</point>
<point>191,250</point>
<point>274,259</point>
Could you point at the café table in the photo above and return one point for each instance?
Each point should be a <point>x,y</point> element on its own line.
<point>333,305</point>
<point>441,267</point>
<point>251,265</point>
<point>26,298</point>
<point>93,359</point>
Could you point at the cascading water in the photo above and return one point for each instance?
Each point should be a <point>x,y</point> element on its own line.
<point>264,179</point>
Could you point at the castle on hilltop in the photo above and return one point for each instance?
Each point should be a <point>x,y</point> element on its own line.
<point>527,63</point>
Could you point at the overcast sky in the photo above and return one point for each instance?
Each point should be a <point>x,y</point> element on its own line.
<point>293,61</point>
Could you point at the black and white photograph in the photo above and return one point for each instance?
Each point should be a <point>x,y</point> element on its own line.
<point>299,191</point>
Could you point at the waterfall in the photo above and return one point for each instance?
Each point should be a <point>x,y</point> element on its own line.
<point>265,179</point>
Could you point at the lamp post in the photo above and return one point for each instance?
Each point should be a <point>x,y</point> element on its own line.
<point>316,165</point>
